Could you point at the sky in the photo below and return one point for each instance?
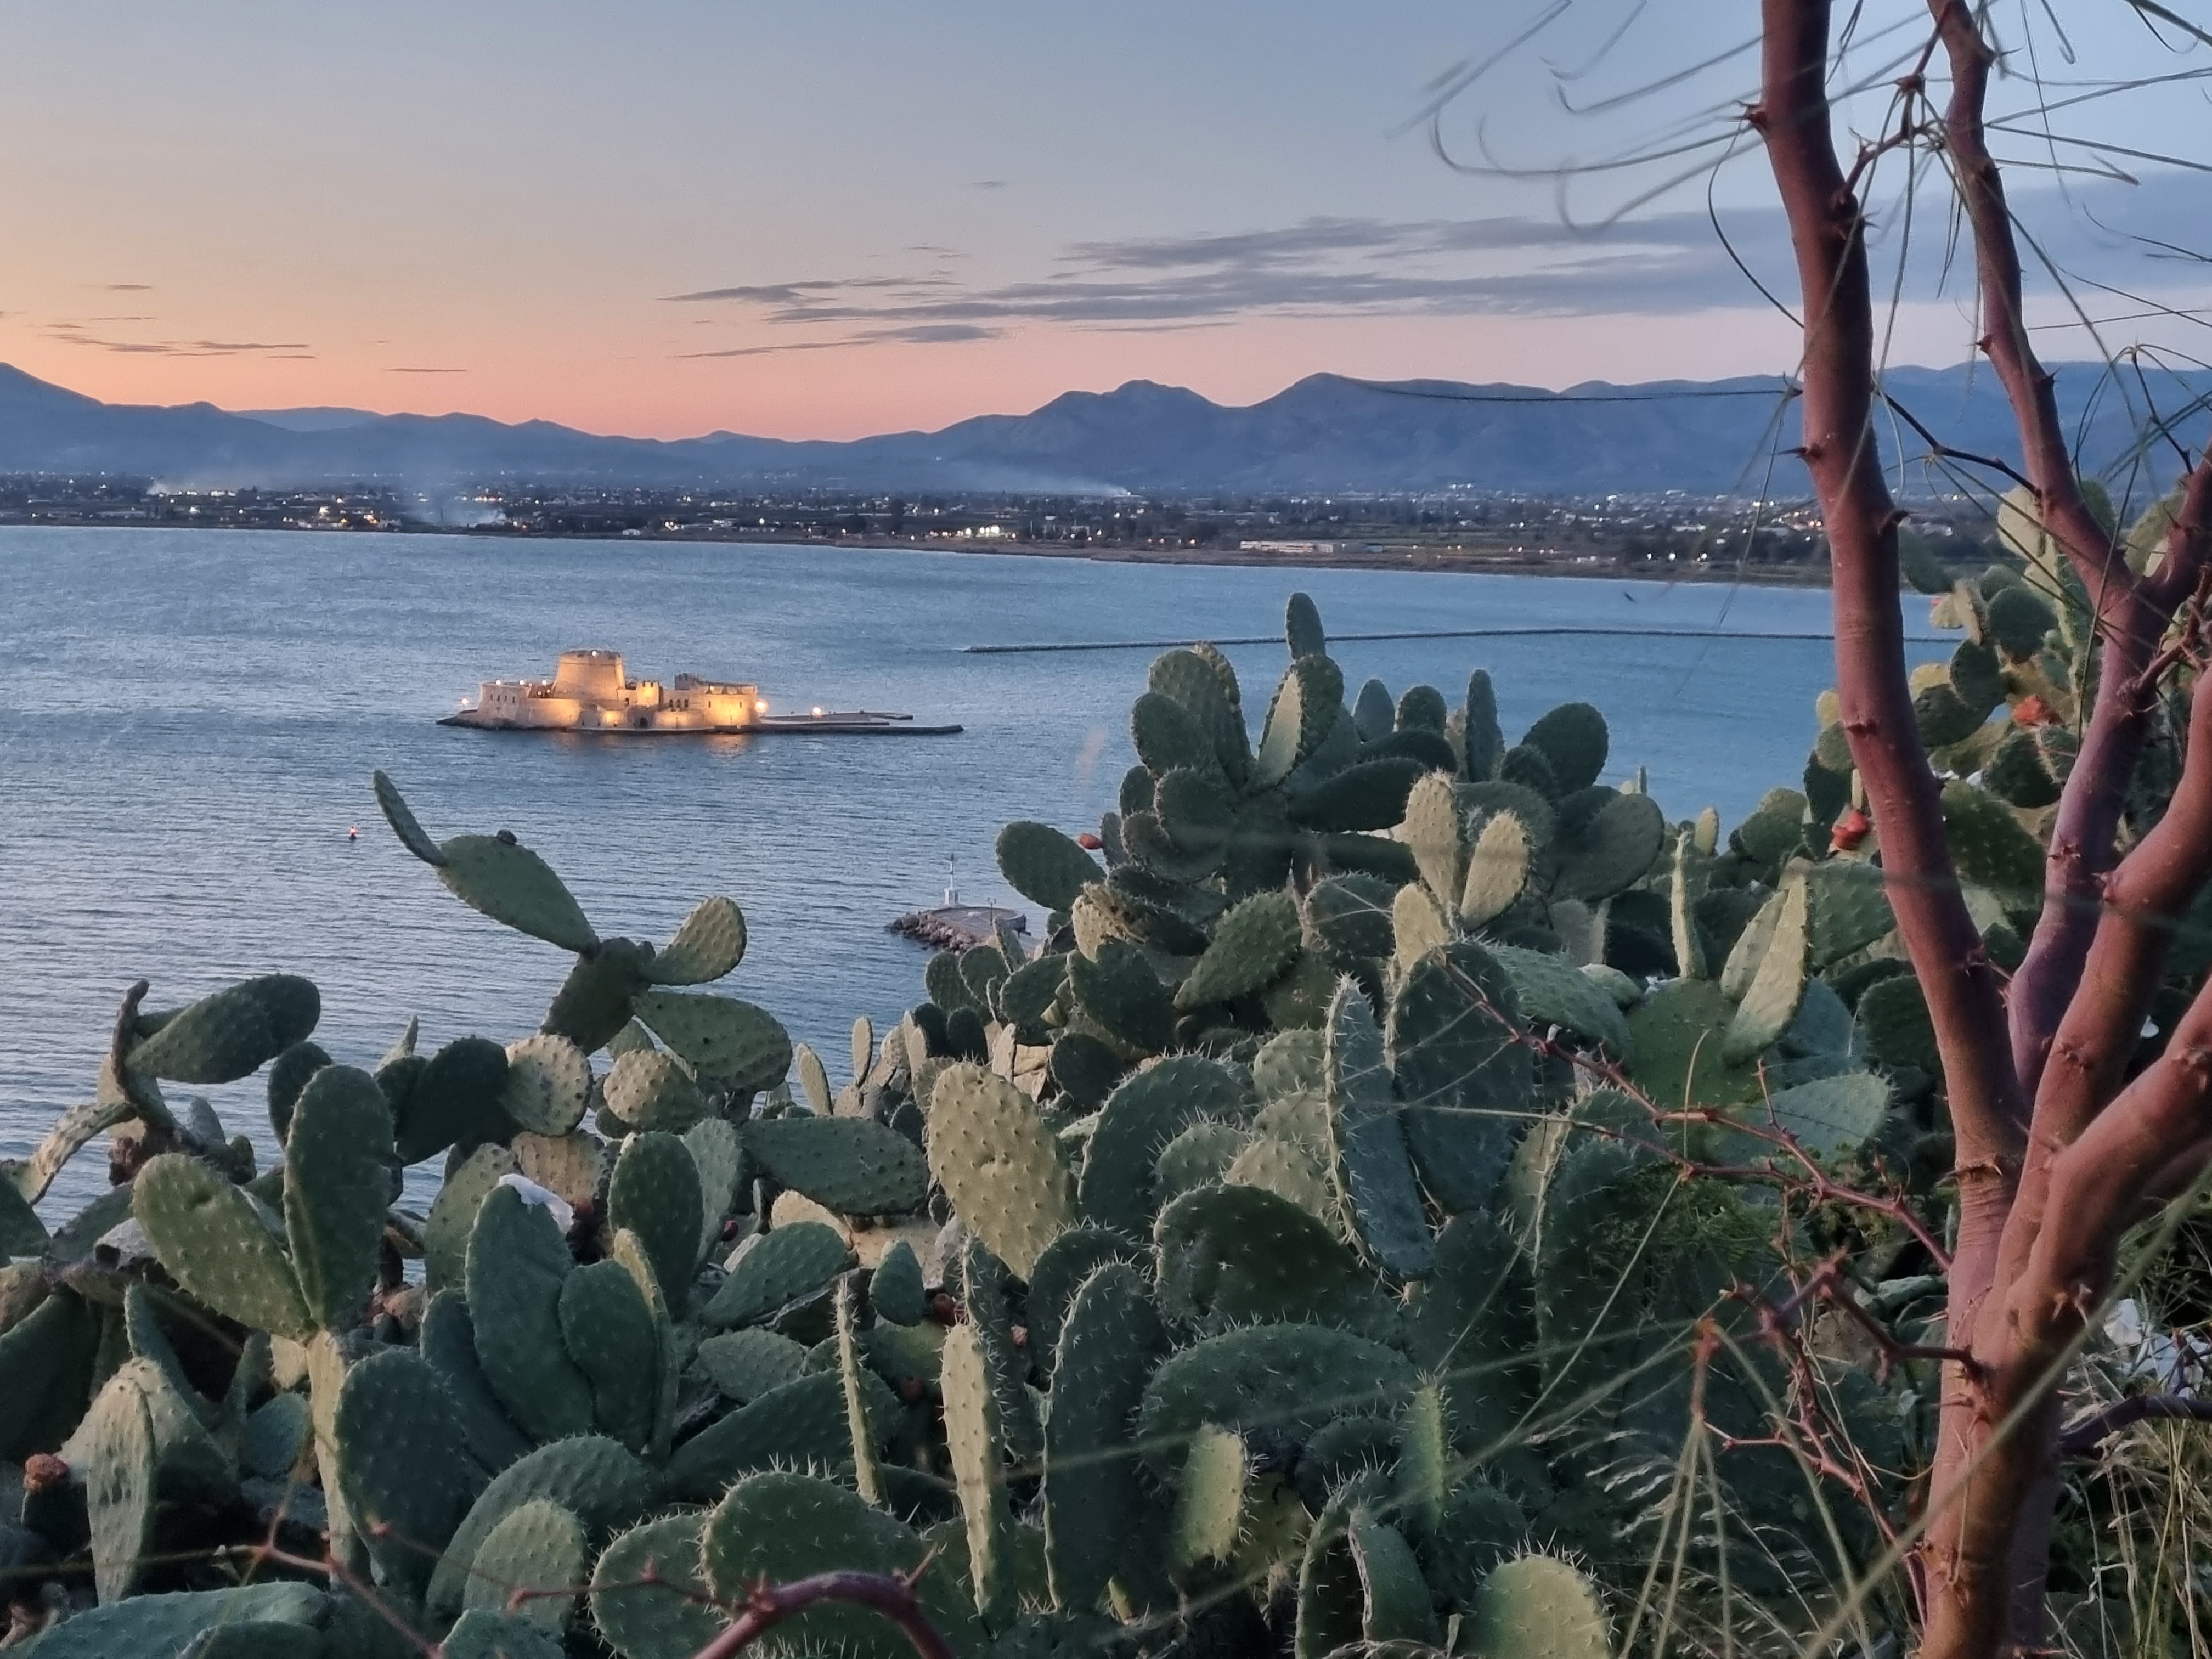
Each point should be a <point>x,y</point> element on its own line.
<point>672,216</point>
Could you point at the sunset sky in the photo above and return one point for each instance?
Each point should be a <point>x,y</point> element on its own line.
<point>665,217</point>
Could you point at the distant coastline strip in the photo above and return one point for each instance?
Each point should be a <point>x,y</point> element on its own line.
<point>1534,632</point>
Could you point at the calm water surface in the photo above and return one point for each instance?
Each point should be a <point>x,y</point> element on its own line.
<point>188,720</point>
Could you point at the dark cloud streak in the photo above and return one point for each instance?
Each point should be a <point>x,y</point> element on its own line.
<point>1667,264</point>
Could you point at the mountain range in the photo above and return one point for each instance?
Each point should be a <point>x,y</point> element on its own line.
<point>1326,433</point>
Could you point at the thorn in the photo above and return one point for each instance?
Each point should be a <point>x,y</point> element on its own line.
<point>910,1579</point>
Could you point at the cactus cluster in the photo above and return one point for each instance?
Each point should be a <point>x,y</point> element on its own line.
<point>1304,1247</point>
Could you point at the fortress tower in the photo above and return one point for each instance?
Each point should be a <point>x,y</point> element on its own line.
<point>590,676</point>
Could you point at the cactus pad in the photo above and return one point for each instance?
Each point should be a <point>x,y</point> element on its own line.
<point>973,1446</point>
<point>854,1165</point>
<point>453,1212</point>
<point>1830,1117</point>
<point>1551,991</point>
<point>654,1193</point>
<point>710,944</point>
<point>1466,1081</point>
<point>649,1090</point>
<point>746,1365</point>
<point>288,1074</point>
<point>1771,1000</point>
<point>1989,846</point>
<point>1537,1607</point>
<point>1093,1501</point>
<point>568,1166</point>
<point>1209,1507</point>
<point>1573,740</point>
<point>1195,685</point>
<point>1894,1023</point>
<point>1432,830</point>
<point>1199,1155</point>
<point>484,1633</point>
<point>403,1464</point>
<point>1252,945</point>
<point>517,1261</point>
<point>593,1006</point>
<point>168,1624</point>
<point>507,881</point>
<point>1616,847</point>
<point>1118,988</point>
<point>1140,1117</point>
<point>895,1288</point>
<point>719,1151</point>
<point>221,1038</point>
<point>780,1526</point>
<point>456,1098</point>
<point>1496,870</point>
<point>402,818</point>
<point>214,1242</point>
<point>998,1164</point>
<point>1282,1381</point>
<point>1348,918</point>
<point>1367,1145</point>
<point>121,1459</point>
<point>659,1620</point>
<point>608,1329</point>
<point>448,1347</point>
<point>1061,1271</point>
<point>335,1169</point>
<point>1289,1061</point>
<point>1681,1032</point>
<point>592,1478</point>
<point>1304,710</point>
<point>549,1081</point>
<point>1230,1254</point>
<point>1369,795</point>
<point>1291,1170</point>
<point>773,1268</point>
<point>538,1546</point>
<point>723,1039</point>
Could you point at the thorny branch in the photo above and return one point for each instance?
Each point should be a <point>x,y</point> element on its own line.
<point>753,1615</point>
<point>2081,1437</point>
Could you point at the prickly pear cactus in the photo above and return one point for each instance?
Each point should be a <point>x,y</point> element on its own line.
<point>1331,1228</point>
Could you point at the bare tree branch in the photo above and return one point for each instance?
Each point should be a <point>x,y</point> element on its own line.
<point>1827,231</point>
<point>2081,1437</point>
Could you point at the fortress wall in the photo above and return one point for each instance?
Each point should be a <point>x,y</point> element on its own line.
<point>590,676</point>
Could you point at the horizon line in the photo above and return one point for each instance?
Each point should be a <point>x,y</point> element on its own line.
<point>1462,391</point>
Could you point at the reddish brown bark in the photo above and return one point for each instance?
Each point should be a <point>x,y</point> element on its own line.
<point>1826,225</point>
<point>2041,1211</point>
<point>2128,614</point>
<point>769,1605</point>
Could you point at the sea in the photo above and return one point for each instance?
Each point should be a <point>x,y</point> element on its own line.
<point>189,721</point>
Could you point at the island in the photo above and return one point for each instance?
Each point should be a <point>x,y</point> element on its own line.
<point>591,690</point>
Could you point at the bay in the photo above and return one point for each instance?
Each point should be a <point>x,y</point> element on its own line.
<point>188,721</point>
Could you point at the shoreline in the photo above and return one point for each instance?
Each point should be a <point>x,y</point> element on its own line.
<point>1450,561</point>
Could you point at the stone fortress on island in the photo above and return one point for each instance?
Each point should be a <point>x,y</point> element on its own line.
<point>592,691</point>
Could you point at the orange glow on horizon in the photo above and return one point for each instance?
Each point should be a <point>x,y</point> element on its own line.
<point>852,391</point>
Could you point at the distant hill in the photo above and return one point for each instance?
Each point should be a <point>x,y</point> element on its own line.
<point>1325,433</point>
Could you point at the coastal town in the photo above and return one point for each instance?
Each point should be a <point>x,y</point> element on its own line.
<point>1669,534</point>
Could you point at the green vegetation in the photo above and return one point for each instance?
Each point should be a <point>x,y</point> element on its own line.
<point>1419,1194</point>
